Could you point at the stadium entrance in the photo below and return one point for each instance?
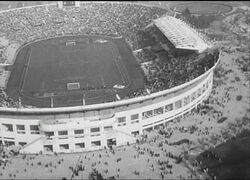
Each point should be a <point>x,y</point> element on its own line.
<point>111,142</point>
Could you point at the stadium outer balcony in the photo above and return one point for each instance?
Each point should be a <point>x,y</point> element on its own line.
<point>91,127</point>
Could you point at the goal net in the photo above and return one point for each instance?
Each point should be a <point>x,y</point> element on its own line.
<point>73,86</point>
<point>71,43</point>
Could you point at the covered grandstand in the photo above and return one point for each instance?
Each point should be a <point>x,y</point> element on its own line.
<point>180,34</point>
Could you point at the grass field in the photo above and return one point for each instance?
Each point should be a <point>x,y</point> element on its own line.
<point>43,69</point>
<point>202,7</point>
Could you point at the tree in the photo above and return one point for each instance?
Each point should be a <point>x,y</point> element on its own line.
<point>202,21</point>
<point>186,13</point>
<point>19,4</point>
<point>38,3</point>
<point>95,175</point>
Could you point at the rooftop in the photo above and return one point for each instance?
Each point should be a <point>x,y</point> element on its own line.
<point>180,34</point>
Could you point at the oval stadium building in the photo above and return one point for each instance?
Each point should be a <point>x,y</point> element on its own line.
<point>67,104</point>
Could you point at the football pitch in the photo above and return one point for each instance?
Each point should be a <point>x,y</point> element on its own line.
<point>99,68</point>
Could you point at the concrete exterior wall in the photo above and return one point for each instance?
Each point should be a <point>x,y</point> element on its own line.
<point>122,131</point>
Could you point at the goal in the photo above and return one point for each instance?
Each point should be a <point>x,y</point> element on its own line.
<point>70,43</point>
<point>73,86</point>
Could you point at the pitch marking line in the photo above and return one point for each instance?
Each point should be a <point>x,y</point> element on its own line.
<point>26,70</point>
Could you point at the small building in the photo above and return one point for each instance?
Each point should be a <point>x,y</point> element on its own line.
<point>62,4</point>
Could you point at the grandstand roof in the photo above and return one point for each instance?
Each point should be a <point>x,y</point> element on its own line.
<point>180,34</point>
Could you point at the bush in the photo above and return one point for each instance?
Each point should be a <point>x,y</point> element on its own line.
<point>95,175</point>
<point>239,97</point>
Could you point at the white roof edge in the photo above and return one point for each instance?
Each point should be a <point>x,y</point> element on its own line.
<point>180,34</point>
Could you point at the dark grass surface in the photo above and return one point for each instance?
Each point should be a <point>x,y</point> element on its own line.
<point>200,7</point>
<point>44,68</point>
<point>232,158</point>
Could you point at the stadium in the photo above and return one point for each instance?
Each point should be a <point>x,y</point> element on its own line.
<point>90,75</point>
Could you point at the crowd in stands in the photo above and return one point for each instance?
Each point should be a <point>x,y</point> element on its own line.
<point>110,19</point>
<point>165,69</point>
<point>171,72</point>
<point>166,72</point>
<point>145,55</point>
<point>5,101</point>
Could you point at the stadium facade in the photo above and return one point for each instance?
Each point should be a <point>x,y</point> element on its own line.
<point>84,128</point>
<point>92,127</point>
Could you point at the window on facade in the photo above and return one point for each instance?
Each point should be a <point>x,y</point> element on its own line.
<point>79,145</point>
<point>204,88</point>
<point>178,104</point>
<point>206,84</point>
<point>64,146</point>
<point>49,133</point>
<point>9,143</point>
<point>22,143</point>
<point>135,121</point>
<point>134,116</point>
<point>93,130</point>
<point>95,143</point>
<point>108,128</point>
<point>186,100</point>
<point>111,142</point>
<point>199,92</point>
<point>20,127</point>
<point>121,119</point>
<point>78,131</point>
<point>193,96</point>
<point>135,133</point>
<point>62,133</point>
<point>34,132</point>
<point>34,128</point>
<point>8,127</point>
<point>147,114</point>
<point>159,111</point>
<point>48,148</point>
<point>20,132</point>
<point>168,107</point>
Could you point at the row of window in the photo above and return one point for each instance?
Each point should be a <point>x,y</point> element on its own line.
<point>34,129</point>
<point>80,145</point>
<point>79,131</point>
<point>11,143</point>
<point>49,148</point>
<point>176,105</point>
<point>158,111</point>
<point>122,120</point>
